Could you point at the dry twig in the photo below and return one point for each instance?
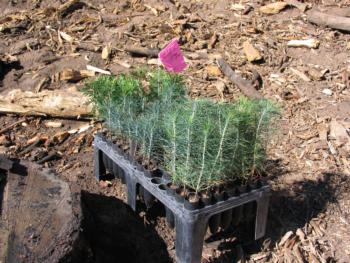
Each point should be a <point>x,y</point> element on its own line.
<point>139,51</point>
<point>12,125</point>
<point>244,85</point>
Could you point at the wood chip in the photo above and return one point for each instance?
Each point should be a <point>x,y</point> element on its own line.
<point>95,69</point>
<point>300,74</point>
<point>4,140</point>
<point>237,7</point>
<point>66,37</point>
<point>339,135</point>
<point>89,47</point>
<point>152,9</point>
<point>36,138</point>
<point>153,61</point>
<point>313,259</point>
<point>310,43</point>
<point>73,75</point>
<point>105,184</point>
<point>214,38</point>
<point>87,73</point>
<point>213,71</point>
<point>53,124</point>
<point>259,256</point>
<point>298,255</point>
<point>327,92</point>
<point>332,149</point>
<point>106,52</point>
<point>288,256</point>
<point>220,86</point>
<point>323,129</point>
<point>284,239</point>
<point>84,128</point>
<point>251,52</point>
<point>316,74</point>
<point>80,129</point>
<point>60,137</point>
<point>290,242</point>
<point>273,8</point>
<point>124,64</point>
<point>317,229</point>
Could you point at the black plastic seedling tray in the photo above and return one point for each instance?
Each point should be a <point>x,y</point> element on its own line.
<point>190,222</point>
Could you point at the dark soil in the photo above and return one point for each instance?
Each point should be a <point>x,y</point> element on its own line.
<point>117,234</point>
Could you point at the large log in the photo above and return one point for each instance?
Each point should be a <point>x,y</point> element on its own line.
<point>329,20</point>
<point>339,11</point>
<point>40,217</point>
<point>63,104</point>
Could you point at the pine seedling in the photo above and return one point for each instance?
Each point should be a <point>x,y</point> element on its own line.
<point>132,110</point>
<point>167,87</point>
<point>267,113</point>
<point>254,122</point>
<point>225,119</point>
<point>201,143</point>
<point>208,126</point>
<point>151,132</point>
<point>216,142</point>
<point>189,127</point>
<point>170,138</point>
<point>189,136</point>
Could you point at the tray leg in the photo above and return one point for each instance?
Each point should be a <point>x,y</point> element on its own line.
<point>132,193</point>
<point>189,239</point>
<point>99,168</point>
<point>261,215</point>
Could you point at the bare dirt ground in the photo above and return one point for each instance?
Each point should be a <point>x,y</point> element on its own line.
<point>309,164</point>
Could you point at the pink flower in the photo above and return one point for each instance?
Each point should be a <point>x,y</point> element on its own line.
<point>172,58</point>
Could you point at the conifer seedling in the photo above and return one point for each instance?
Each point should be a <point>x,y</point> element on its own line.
<point>201,143</point>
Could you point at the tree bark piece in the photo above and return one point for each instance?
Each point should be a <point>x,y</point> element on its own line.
<point>40,218</point>
<point>75,75</point>
<point>140,51</point>
<point>244,85</point>
<point>337,11</point>
<point>328,20</point>
<point>63,104</point>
